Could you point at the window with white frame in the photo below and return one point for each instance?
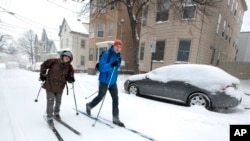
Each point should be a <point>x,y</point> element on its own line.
<point>111,28</point>
<point>61,43</point>
<point>92,6</point>
<point>189,11</point>
<point>92,31</point>
<point>91,54</point>
<point>218,24</point>
<point>100,30</point>
<point>145,15</point>
<point>162,10</point>
<point>102,6</point>
<point>83,43</point>
<point>82,60</point>
<point>184,49</point>
<point>142,51</point>
<point>224,28</point>
<point>159,51</point>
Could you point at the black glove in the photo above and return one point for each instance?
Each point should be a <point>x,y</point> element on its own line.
<point>42,77</point>
<point>115,63</point>
<point>71,79</point>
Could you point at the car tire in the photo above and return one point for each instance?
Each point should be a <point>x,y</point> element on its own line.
<point>199,99</point>
<point>133,89</point>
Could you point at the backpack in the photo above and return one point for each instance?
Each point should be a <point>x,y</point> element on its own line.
<point>108,59</point>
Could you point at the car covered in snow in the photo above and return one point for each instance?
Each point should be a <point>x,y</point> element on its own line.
<point>191,84</point>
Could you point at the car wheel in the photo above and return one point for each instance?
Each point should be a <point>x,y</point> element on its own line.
<point>199,99</point>
<point>133,89</point>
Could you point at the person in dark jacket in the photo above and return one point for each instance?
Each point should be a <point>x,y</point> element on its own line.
<point>56,73</point>
<point>107,80</point>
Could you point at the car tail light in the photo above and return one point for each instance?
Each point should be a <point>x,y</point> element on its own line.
<point>224,88</point>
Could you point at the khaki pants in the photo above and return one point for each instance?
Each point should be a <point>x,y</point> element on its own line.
<point>53,103</point>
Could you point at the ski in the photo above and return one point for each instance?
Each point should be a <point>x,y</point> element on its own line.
<point>98,120</point>
<point>68,126</point>
<point>112,125</point>
<point>131,130</point>
<point>54,130</point>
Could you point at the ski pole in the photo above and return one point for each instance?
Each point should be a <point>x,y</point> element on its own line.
<point>103,99</point>
<point>36,100</point>
<point>91,95</point>
<point>75,98</point>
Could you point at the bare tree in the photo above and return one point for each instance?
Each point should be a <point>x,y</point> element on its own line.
<point>135,9</point>
<point>4,42</point>
<point>27,44</point>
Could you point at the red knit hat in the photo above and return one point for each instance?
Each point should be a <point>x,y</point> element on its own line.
<point>118,42</point>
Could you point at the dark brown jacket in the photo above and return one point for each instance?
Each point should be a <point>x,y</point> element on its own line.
<point>56,74</point>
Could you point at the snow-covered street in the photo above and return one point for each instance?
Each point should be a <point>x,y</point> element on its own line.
<point>22,118</point>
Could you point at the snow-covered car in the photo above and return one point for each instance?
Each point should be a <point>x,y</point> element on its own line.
<point>191,84</point>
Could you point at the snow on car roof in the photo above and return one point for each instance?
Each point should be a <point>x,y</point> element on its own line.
<point>203,76</point>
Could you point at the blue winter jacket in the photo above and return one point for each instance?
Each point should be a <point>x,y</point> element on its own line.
<point>106,69</point>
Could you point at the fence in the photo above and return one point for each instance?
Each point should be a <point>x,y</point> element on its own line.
<point>240,70</point>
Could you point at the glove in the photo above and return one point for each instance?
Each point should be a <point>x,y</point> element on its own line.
<point>71,80</point>
<point>115,63</point>
<point>42,77</point>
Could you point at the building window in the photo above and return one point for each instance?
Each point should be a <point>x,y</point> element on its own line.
<point>145,16</point>
<point>213,54</point>
<point>142,51</point>
<point>228,2</point>
<point>189,11</point>
<point>92,6</point>
<point>111,27</point>
<point>92,31</point>
<point>228,30</point>
<point>236,7</point>
<point>102,6</point>
<point>67,42</point>
<point>230,35</point>
<point>65,27</point>
<point>61,43</point>
<point>184,49</point>
<point>100,30</point>
<point>83,42</point>
<point>162,10</point>
<point>91,54</point>
<point>218,24</point>
<point>232,7</point>
<point>112,5</point>
<point>224,28</point>
<point>82,60</point>
<point>159,51</point>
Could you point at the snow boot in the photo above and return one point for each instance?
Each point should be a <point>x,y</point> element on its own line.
<point>88,109</point>
<point>50,122</point>
<point>57,117</point>
<point>118,122</point>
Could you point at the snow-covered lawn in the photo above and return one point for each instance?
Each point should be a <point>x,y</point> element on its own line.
<point>22,118</point>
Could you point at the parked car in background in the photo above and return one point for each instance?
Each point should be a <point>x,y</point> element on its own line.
<point>191,84</point>
<point>11,65</point>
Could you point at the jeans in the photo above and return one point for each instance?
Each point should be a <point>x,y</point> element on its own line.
<point>102,92</point>
<point>51,107</point>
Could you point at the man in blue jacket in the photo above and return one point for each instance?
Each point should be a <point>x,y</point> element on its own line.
<point>110,62</point>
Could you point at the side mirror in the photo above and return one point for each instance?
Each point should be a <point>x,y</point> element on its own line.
<point>146,77</point>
